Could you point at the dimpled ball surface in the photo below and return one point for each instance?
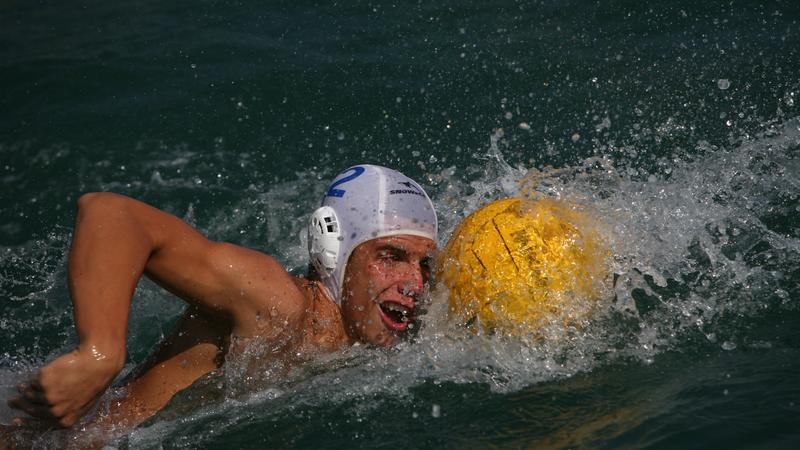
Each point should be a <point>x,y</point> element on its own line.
<point>517,264</point>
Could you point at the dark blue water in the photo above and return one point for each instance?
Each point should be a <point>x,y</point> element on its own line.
<point>677,124</point>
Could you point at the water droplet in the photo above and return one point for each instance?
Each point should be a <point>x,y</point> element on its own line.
<point>728,345</point>
<point>723,83</point>
<point>436,411</point>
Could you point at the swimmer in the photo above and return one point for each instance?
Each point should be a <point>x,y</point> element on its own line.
<point>370,243</point>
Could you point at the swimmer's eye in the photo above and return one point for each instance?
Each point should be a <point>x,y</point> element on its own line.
<point>425,265</point>
<point>391,254</point>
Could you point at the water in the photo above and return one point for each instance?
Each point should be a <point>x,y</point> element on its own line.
<point>677,125</point>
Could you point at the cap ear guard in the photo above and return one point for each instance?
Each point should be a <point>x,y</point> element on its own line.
<point>324,239</point>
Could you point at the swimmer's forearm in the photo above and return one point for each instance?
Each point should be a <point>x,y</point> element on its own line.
<point>108,255</point>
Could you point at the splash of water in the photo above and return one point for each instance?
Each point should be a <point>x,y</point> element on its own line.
<point>703,241</point>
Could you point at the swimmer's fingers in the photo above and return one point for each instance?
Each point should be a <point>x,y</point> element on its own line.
<point>35,385</point>
<point>33,401</point>
<point>38,410</point>
<point>32,391</point>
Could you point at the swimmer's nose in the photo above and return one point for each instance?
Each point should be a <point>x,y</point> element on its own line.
<point>413,284</point>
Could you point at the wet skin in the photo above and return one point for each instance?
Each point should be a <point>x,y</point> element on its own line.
<point>247,293</point>
<point>383,282</point>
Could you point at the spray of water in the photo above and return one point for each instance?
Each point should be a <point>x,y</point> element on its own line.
<point>702,242</point>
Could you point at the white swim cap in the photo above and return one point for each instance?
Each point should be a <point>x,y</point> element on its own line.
<point>365,202</point>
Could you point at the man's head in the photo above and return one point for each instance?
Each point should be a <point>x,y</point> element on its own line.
<point>370,218</point>
<point>384,280</point>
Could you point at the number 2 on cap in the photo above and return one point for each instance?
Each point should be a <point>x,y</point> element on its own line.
<point>333,192</point>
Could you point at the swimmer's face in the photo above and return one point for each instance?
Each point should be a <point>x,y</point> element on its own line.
<point>384,280</point>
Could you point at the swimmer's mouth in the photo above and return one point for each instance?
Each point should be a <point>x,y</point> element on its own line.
<point>396,316</point>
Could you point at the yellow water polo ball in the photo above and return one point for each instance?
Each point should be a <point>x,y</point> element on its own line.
<point>517,264</point>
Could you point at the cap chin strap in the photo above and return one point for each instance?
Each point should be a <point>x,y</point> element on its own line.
<point>324,233</point>
<point>326,292</point>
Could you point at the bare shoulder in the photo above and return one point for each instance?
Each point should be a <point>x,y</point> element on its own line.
<point>248,288</point>
<point>263,294</point>
<point>228,282</point>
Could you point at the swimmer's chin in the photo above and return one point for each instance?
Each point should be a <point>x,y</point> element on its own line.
<point>386,341</point>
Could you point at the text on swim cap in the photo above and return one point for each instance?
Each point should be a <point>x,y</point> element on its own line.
<point>333,192</point>
<point>412,189</point>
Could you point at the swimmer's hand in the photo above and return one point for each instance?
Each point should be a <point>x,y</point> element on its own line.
<point>68,387</point>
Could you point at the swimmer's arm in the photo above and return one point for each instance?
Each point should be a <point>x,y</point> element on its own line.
<point>116,240</point>
<point>194,349</point>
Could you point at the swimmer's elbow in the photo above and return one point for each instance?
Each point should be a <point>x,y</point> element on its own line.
<point>100,200</point>
<point>117,213</point>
